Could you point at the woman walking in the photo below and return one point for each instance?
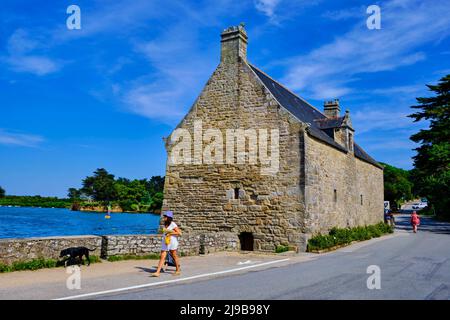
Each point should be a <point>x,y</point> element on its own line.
<point>415,221</point>
<point>169,243</point>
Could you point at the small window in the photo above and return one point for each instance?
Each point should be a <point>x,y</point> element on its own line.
<point>335,195</point>
<point>361,199</point>
<point>236,193</point>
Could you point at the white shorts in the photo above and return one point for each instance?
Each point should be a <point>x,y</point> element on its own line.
<point>173,245</point>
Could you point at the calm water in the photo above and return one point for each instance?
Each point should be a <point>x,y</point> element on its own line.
<point>40,222</point>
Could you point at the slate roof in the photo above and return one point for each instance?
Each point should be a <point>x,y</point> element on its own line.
<point>306,113</point>
<point>328,123</point>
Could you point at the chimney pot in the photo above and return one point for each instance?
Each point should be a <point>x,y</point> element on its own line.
<point>332,108</point>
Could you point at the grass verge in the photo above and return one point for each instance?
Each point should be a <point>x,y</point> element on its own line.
<point>281,248</point>
<point>36,264</point>
<point>153,256</point>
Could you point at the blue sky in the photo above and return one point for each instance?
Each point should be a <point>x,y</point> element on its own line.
<point>104,96</point>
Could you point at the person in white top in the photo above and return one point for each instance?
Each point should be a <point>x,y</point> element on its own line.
<point>171,232</point>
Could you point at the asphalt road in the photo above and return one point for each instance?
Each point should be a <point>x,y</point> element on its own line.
<point>412,266</point>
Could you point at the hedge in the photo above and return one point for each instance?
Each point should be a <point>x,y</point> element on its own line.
<point>340,237</point>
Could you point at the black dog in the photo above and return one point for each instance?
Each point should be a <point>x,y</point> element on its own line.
<point>72,253</point>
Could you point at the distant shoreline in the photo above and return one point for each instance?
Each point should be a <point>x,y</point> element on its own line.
<point>86,211</point>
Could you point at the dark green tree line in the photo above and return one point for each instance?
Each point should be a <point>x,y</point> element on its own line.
<point>431,175</point>
<point>398,186</point>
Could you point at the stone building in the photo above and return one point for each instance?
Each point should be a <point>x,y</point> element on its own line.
<point>322,178</point>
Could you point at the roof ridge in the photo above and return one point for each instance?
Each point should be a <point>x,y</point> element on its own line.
<point>327,119</point>
<point>287,89</point>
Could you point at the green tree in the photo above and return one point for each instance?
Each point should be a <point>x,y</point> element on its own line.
<point>2,192</point>
<point>100,186</point>
<point>74,194</point>
<point>431,174</point>
<point>131,195</point>
<point>155,184</point>
<point>157,200</point>
<point>397,184</point>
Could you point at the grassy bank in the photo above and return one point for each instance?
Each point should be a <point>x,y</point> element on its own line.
<point>154,256</point>
<point>340,237</point>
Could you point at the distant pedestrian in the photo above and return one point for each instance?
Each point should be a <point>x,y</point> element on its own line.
<point>171,232</point>
<point>415,221</point>
<point>389,217</point>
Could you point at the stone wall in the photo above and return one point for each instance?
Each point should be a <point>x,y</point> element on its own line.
<point>188,244</point>
<point>13,250</point>
<point>335,183</point>
<point>202,195</point>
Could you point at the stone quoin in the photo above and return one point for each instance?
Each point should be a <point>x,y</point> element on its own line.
<point>324,179</point>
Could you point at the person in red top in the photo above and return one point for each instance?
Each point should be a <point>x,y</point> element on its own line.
<point>415,221</point>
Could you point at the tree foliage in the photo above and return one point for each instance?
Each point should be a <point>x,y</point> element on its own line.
<point>74,194</point>
<point>2,192</point>
<point>431,174</point>
<point>130,195</point>
<point>100,186</point>
<point>397,184</point>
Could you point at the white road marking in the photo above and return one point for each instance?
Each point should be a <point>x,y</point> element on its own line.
<point>245,262</point>
<point>170,281</point>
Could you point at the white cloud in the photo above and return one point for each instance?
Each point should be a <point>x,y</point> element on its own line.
<point>181,69</point>
<point>345,14</point>
<point>408,90</point>
<point>21,59</point>
<point>151,102</point>
<point>19,139</point>
<point>332,67</point>
<point>114,16</point>
<point>374,118</point>
<point>33,64</point>
<point>278,11</point>
<point>267,6</point>
<point>179,65</point>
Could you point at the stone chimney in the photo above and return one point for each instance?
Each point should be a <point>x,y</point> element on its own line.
<point>332,109</point>
<point>234,44</point>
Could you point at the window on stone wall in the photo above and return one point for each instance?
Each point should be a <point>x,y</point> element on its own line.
<point>361,199</point>
<point>236,193</point>
<point>335,195</point>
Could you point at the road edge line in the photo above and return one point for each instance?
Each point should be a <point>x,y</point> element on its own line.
<point>205,275</point>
